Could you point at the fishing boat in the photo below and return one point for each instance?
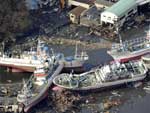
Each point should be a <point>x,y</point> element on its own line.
<point>131,49</point>
<point>146,60</point>
<point>104,77</point>
<point>75,62</point>
<point>35,89</point>
<point>28,61</point>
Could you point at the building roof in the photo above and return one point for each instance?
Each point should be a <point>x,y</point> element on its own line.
<point>86,1</point>
<point>77,11</point>
<point>104,2</point>
<point>121,7</point>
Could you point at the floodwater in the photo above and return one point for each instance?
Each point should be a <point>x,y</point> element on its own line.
<point>8,77</point>
<point>131,100</point>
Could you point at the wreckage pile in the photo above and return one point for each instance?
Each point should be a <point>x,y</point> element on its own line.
<point>8,93</point>
<point>9,90</point>
<point>64,100</point>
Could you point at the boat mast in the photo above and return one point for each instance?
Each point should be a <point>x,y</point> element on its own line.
<point>52,52</point>
<point>148,34</point>
<point>76,50</point>
<point>3,47</point>
<point>120,38</point>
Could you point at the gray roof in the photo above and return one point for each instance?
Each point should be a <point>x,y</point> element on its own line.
<point>121,7</point>
<point>77,11</point>
<point>104,2</point>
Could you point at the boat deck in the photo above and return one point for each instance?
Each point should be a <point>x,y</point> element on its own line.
<point>127,70</point>
<point>130,46</point>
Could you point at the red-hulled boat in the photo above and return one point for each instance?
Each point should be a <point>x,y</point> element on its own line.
<point>131,50</point>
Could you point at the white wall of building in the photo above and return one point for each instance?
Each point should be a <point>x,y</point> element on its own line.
<point>108,17</point>
<point>76,3</point>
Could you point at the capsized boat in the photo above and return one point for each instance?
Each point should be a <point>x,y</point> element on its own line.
<point>35,89</point>
<point>107,76</point>
<point>146,60</point>
<point>131,49</point>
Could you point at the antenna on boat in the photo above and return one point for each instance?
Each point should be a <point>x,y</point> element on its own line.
<point>52,51</point>
<point>3,47</point>
<point>148,34</point>
<point>71,73</point>
<point>76,50</point>
<point>120,38</point>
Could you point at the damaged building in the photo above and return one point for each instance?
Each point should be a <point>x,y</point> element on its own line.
<point>105,12</point>
<point>75,14</point>
<point>80,7</point>
<point>82,3</point>
<point>119,13</point>
<point>103,4</point>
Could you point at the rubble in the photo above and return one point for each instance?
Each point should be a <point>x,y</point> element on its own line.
<point>108,103</point>
<point>8,101</point>
<point>64,100</point>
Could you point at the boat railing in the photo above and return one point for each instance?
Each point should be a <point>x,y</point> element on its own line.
<point>97,76</point>
<point>101,75</point>
<point>136,40</point>
<point>130,43</point>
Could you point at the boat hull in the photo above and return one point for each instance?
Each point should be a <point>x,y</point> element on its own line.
<point>75,66</point>
<point>108,85</point>
<point>127,56</point>
<point>18,68</point>
<point>28,107</point>
<point>74,69</point>
<point>44,92</point>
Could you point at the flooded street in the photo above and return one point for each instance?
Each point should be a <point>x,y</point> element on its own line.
<point>8,77</point>
<point>127,100</point>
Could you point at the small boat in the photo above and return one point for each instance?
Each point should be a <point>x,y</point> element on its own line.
<point>106,76</point>
<point>146,60</point>
<point>130,50</point>
<point>75,62</point>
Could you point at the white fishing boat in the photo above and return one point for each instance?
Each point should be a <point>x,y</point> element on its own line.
<point>131,49</point>
<point>31,60</point>
<point>100,78</point>
<point>28,61</point>
<point>75,62</point>
<point>36,88</point>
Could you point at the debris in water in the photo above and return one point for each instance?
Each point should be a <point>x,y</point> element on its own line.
<point>147,88</point>
<point>137,84</point>
<point>115,93</point>
<point>110,103</point>
<point>56,88</point>
<point>64,100</point>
